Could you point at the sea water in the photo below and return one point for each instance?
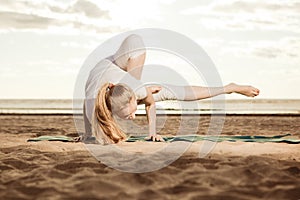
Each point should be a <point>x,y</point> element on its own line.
<point>231,106</point>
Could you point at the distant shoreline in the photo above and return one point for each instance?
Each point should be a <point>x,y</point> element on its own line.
<point>202,107</point>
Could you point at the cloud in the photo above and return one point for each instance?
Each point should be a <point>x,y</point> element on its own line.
<point>89,9</point>
<point>256,6</point>
<point>286,49</point>
<point>80,15</point>
<point>249,15</point>
<point>78,7</point>
<point>23,21</point>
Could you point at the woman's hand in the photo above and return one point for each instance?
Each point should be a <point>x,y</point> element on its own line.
<point>154,89</point>
<point>155,138</point>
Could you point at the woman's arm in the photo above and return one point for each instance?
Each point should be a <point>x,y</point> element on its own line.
<point>151,116</point>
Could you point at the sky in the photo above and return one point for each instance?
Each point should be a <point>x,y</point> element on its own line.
<point>45,42</point>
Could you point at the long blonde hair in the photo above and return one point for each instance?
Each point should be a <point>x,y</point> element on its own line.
<point>110,99</point>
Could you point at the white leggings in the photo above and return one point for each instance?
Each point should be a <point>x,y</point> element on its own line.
<point>132,47</point>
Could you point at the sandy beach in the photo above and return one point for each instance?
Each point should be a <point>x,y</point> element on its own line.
<point>233,170</point>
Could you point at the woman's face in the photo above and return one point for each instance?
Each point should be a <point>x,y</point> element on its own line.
<point>128,112</point>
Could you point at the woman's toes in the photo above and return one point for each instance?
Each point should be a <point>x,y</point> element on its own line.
<point>255,91</point>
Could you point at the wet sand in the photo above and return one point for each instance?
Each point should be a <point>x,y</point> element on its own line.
<point>233,170</point>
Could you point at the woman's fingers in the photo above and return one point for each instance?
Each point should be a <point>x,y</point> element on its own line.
<point>161,139</point>
<point>155,138</point>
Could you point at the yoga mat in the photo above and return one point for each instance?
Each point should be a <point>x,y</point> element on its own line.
<point>187,138</point>
<point>52,138</point>
<point>194,138</point>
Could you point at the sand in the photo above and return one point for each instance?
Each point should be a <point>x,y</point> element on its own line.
<point>233,170</point>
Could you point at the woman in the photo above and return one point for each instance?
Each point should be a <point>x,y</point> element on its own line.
<point>114,89</point>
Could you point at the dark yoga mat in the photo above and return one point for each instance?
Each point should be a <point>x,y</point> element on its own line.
<point>187,138</point>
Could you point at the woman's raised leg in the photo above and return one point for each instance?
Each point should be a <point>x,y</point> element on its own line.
<point>198,92</point>
<point>131,55</point>
<point>191,93</point>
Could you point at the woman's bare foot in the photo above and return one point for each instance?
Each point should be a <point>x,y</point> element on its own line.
<point>246,90</point>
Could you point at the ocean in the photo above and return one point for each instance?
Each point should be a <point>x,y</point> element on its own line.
<point>232,106</point>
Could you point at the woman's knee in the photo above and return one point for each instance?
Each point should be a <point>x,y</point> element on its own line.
<point>135,39</point>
